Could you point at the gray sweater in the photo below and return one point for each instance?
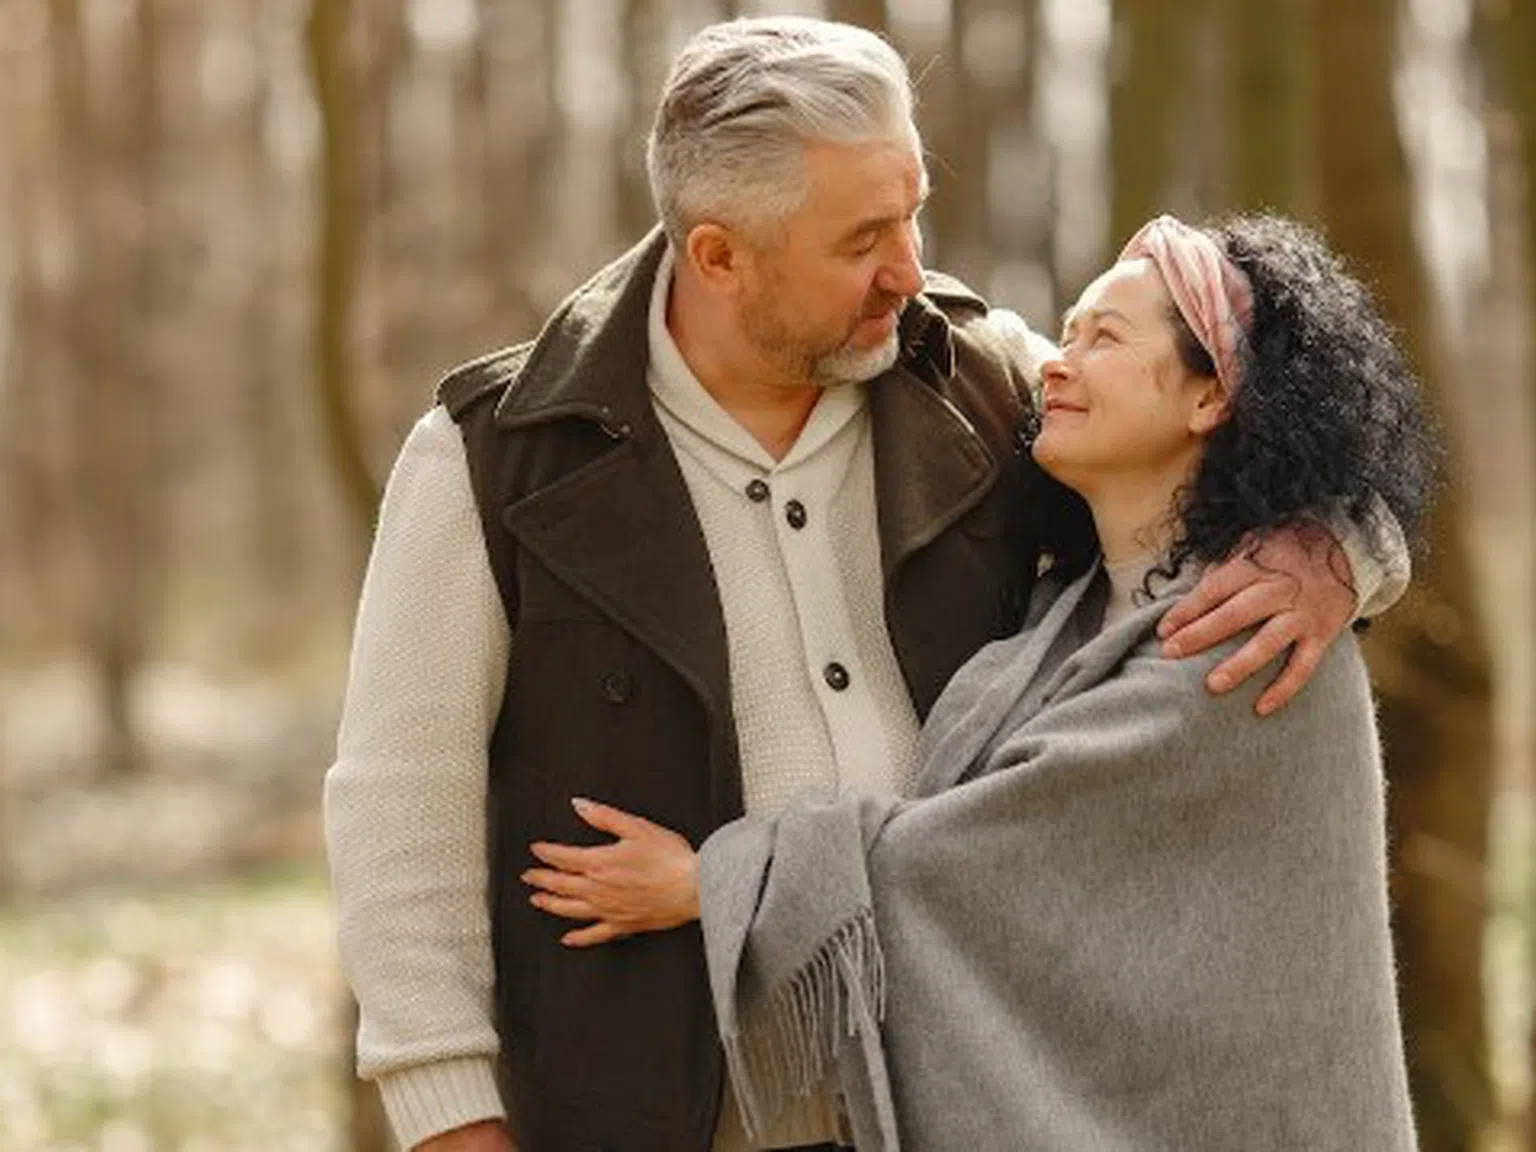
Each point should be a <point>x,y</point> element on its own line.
<point>1123,914</point>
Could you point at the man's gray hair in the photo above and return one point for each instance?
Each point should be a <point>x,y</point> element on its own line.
<point>743,100</point>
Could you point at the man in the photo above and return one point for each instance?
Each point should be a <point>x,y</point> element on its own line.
<point>721,534</point>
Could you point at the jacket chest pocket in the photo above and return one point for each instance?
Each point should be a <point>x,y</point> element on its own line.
<point>576,688</point>
<point>592,712</point>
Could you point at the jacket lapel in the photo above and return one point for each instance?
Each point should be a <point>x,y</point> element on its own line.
<point>930,466</point>
<point>623,533</point>
<point>621,529</point>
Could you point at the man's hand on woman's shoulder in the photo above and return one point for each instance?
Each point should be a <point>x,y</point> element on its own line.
<point>1295,587</point>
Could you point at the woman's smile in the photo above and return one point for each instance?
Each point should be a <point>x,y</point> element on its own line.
<point>1057,407</point>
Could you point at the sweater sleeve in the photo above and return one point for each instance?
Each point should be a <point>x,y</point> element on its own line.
<point>1377,555</point>
<point>405,798</point>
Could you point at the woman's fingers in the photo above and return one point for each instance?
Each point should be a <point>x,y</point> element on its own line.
<point>592,934</point>
<point>558,883</point>
<point>567,857</point>
<point>563,906</point>
<point>607,818</point>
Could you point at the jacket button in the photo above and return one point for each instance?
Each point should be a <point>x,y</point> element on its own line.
<point>836,676</point>
<point>757,491</point>
<point>794,512</point>
<point>617,687</point>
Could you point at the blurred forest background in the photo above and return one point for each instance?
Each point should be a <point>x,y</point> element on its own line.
<point>240,240</point>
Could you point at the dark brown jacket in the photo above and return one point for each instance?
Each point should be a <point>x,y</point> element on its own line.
<point>618,686</point>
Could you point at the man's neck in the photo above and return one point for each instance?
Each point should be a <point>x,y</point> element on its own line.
<point>772,409</point>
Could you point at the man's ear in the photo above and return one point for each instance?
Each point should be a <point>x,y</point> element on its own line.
<point>716,255</point>
<point>1212,407</point>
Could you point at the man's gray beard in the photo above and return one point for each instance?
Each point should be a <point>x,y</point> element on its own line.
<point>849,365</point>
<point>843,365</point>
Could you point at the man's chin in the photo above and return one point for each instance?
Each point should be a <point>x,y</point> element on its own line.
<point>853,365</point>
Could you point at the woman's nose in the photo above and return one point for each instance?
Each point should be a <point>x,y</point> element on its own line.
<point>1053,370</point>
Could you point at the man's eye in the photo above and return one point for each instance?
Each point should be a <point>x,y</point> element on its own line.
<point>864,247</point>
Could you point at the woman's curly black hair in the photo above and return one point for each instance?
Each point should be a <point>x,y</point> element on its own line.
<point>1328,416</point>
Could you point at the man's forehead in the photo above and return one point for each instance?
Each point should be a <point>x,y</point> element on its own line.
<point>879,178</point>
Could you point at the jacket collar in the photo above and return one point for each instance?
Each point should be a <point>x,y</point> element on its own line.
<point>590,358</point>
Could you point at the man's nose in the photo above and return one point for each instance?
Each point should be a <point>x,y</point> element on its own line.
<point>902,274</point>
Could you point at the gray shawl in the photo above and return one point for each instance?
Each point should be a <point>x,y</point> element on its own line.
<point>1122,914</point>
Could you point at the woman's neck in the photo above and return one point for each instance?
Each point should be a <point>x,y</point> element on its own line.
<point>1136,522</point>
<point>1135,517</point>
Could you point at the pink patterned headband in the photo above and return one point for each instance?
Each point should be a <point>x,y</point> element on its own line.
<point>1211,293</point>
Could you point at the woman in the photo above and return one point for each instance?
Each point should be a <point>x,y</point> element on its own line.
<point>1123,913</point>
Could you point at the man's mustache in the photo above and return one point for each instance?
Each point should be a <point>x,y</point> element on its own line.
<point>882,304</point>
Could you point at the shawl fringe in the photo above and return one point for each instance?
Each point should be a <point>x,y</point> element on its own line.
<point>786,1046</point>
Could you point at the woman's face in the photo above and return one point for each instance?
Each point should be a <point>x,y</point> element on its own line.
<point>1118,401</point>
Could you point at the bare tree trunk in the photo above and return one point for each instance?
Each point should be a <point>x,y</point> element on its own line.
<point>641,39</point>
<point>1006,197</point>
<point>1514,31</point>
<point>865,13</point>
<point>140,155</point>
<point>108,486</point>
<point>944,118</point>
<point>275,509</point>
<point>389,42</point>
<point>960,210</point>
<point>336,277</point>
<point>337,259</point>
<point>1429,657</point>
<point>32,474</point>
<point>521,126</point>
<point>1149,59</point>
<point>1499,338</point>
<point>1270,81</point>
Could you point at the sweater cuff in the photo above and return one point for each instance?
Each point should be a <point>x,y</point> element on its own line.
<point>426,1100</point>
<point>1377,555</point>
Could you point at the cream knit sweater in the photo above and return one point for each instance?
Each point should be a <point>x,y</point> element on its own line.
<point>405,798</point>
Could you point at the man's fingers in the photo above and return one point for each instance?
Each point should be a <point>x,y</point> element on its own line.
<point>1252,605</point>
<point>558,883</point>
<point>564,906</point>
<point>1218,584</point>
<point>590,935</point>
<point>1266,644</point>
<point>1298,670</point>
<point>609,819</point>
